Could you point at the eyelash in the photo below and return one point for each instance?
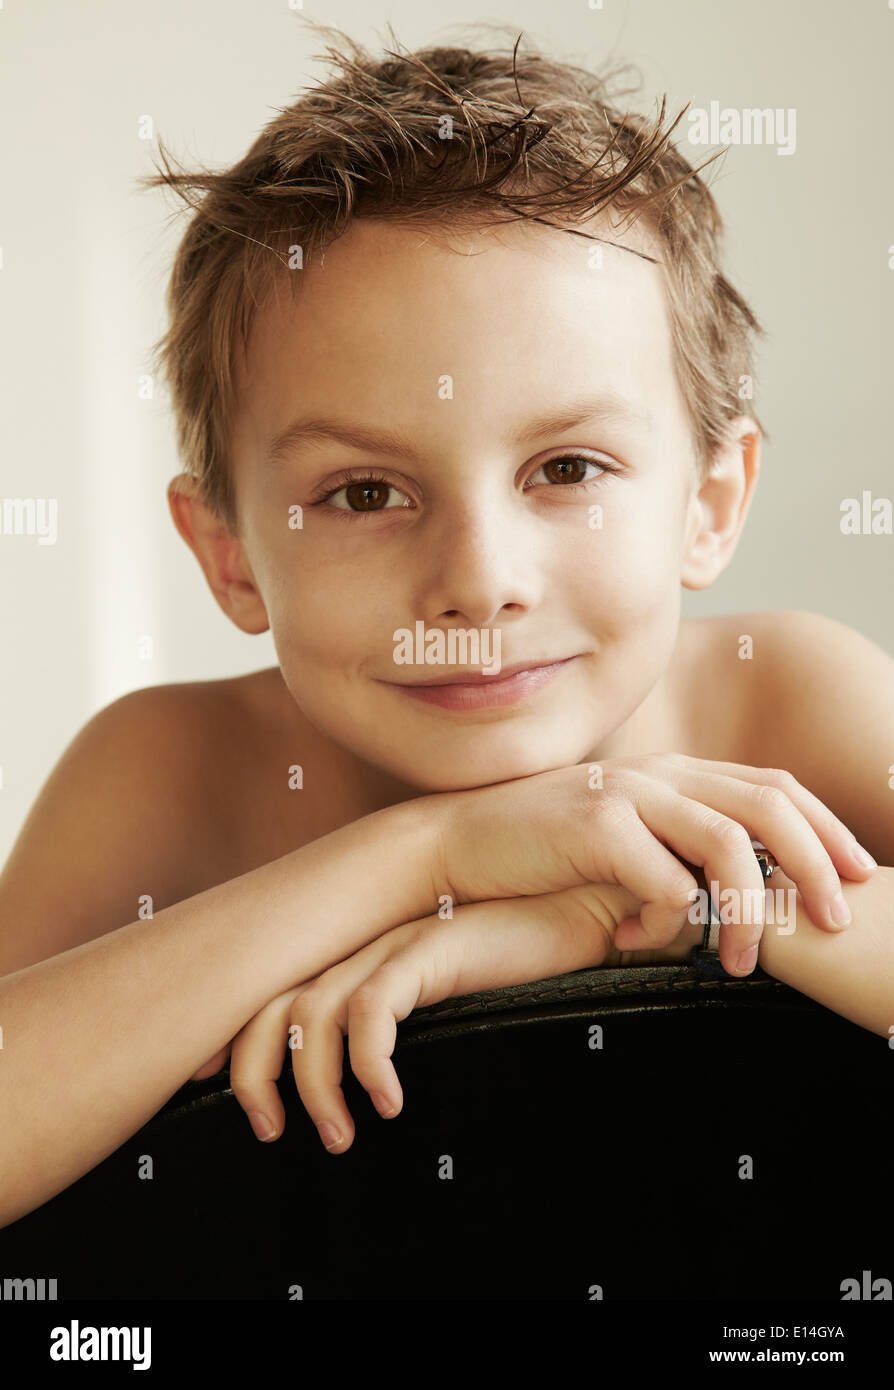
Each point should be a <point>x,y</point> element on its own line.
<point>346,477</point>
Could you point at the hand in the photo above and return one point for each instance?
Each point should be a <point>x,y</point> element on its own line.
<point>213,1065</point>
<point>484,946</point>
<point>543,833</point>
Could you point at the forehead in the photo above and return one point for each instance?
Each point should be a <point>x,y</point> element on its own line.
<point>388,310</point>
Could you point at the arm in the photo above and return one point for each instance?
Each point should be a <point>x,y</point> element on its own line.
<point>849,972</point>
<point>852,972</point>
<point>487,945</point>
<point>96,1039</point>
<point>826,714</point>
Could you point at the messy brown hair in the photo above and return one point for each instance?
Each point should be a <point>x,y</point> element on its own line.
<point>529,137</point>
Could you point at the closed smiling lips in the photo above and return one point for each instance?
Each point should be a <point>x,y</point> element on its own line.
<point>479,678</point>
<point>467,691</point>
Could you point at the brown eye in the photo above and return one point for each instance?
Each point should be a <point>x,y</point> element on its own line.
<point>565,470</point>
<point>570,470</point>
<point>367,497</point>
<point>363,495</point>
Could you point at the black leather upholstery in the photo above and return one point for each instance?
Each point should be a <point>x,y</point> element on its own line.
<point>575,1166</point>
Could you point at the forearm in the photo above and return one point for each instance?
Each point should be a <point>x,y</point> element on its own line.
<point>850,972</point>
<point>96,1039</point>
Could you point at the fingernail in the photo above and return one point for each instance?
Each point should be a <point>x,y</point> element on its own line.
<point>261,1125</point>
<point>384,1106</point>
<point>329,1134</point>
<point>839,911</point>
<point>748,959</point>
<point>863,858</point>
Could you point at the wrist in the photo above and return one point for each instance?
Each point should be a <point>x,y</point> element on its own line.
<point>850,971</point>
<point>322,903</point>
<point>410,839</point>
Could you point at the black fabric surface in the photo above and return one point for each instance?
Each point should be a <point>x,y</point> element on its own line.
<point>573,1166</point>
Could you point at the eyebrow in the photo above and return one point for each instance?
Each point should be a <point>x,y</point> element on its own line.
<point>609,406</point>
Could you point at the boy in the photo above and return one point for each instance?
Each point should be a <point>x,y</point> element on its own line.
<point>459,290</point>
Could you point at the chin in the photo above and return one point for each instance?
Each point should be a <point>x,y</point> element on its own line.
<point>478,767</point>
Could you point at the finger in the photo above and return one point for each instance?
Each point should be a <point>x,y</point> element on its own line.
<point>430,968</point>
<point>845,851</point>
<point>372,1034</point>
<point>319,1015</point>
<point>324,1015</point>
<point>213,1065</point>
<point>318,1062</point>
<point>485,945</point>
<point>256,1061</point>
<point>704,836</point>
<point>637,859</point>
<point>771,813</point>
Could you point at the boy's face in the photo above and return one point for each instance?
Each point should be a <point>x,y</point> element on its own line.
<point>461,355</point>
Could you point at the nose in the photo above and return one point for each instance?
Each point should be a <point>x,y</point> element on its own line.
<point>481,563</point>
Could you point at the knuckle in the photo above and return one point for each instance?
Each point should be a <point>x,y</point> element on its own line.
<point>592,798</point>
<point>310,1000</point>
<point>658,923</point>
<point>726,834</point>
<point>831,825</point>
<point>773,799</point>
<point>656,765</point>
<point>680,893</point>
<point>609,810</point>
<point>779,777</point>
<point>634,762</point>
<point>243,1084</point>
<point>648,765</point>
<point>365,999</point>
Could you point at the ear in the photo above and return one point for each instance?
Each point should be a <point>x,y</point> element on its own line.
<point>717,510</point>
<point>219,553</point>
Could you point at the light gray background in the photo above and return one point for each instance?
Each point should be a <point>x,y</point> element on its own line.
<point>85,259</point>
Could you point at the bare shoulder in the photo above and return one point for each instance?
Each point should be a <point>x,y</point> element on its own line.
<point>227,744</point>
<point>714,687</point>
<point>253,751</point>
<point>123,817</point>
<point>815,697</point>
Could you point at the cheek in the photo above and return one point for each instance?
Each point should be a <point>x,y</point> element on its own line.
<point>322,616</point>
<point>313,626</point>
<point>627,574</point>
